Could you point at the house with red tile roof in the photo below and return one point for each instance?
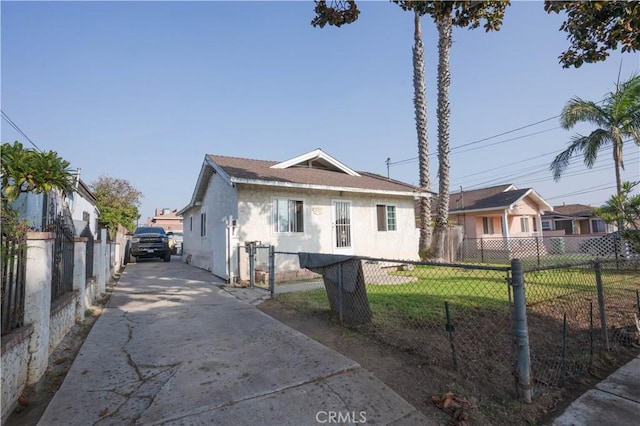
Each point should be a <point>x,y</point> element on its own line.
<point>310,203</point>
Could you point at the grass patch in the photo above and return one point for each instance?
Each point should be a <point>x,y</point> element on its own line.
<point>468,292</point>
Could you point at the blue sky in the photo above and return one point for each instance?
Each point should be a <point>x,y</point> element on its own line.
<point>142,91</point>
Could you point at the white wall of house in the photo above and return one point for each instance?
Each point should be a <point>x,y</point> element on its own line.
<point>255,220</point>
<point>209,251</point>
<point>78,205</point>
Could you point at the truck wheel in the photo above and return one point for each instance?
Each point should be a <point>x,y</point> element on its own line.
<point>167,257</point>
<point>132,259</point>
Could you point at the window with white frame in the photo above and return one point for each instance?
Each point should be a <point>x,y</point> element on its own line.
<point>524,224</point>
<point>487,225</point>
<point>288,215</point>
<point>203,224</point>
<point>386,217</point>
<point>598,225</point>
<point>546,225</point>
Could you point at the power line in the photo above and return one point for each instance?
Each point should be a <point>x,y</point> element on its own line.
<point>18,129</point>
<point>487,138</point>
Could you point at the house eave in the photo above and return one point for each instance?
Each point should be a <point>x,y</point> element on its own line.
<point>277,184</point>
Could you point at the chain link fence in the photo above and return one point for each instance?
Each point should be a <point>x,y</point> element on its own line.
<point>574,313</point>
<point>456,316</point>
<point>462,316</point>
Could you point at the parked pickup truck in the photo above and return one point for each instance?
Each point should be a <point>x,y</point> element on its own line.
<point>149,242</point>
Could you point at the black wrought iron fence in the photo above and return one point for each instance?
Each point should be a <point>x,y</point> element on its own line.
<point>13,265</point>
<point>62,260</point>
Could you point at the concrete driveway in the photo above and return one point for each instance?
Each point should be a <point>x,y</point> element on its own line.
<point>173,347</point>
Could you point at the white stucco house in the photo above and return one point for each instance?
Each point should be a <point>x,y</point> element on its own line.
<point>40,209</point>
<point>311,203</point>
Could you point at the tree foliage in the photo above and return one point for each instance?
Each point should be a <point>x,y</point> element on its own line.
<point>28,170</point>
<point>596,27</point>
<point>617,119</point>
<point>624,208</point>
<point>118,202</point>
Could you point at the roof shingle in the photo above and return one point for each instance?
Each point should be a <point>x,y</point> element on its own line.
<point>260,170</point>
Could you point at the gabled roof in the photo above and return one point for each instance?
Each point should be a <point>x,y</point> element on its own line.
<point>316,159</point>
<point>314,170</point>
<point>501,197</point>
<point>572,210</point>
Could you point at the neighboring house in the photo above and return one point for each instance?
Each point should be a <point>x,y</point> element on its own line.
<point>498,212</point>
<point>40,209</point>
<point>574,219</point>
<point>310,203</point>
<point>169,219</point>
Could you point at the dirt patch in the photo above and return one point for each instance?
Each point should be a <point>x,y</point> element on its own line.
<point>419,380</point>
<point>35,398</point>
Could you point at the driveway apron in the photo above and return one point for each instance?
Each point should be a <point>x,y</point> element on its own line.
<point>173,347</point>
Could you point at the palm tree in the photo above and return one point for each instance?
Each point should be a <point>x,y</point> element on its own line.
<point>420,106</point>
<point>445,27</point>
<point>617,119</point>
<point>446,14</point>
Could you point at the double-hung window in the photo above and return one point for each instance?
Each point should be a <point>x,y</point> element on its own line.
<point>524,224</point>
<point>386,217</point>
<point>487,225</point>
<point>288,215</point>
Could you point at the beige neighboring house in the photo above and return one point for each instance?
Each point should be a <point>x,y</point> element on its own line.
<point>574,219</point>
<point>310,203</point>
<point>169,219</point>
<point>499,212</point>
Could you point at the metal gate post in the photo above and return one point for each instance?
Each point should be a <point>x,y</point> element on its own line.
<point>603,314</point>
<point>523,367</point>
<point>272,270</point>
<point>340,291</point>
<point>252,264</point>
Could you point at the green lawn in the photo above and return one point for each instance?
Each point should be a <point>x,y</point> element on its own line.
<point>468,292</point>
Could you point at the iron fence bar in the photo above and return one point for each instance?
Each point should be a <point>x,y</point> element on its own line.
<point>272,270</point>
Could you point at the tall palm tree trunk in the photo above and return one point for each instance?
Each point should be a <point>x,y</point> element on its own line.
<point>420,105</point>
<point>444,112</point>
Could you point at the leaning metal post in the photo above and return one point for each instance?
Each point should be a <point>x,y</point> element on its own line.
<point>522,331</point>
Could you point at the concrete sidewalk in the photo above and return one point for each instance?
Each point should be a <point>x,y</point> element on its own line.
<point>173,348</point>
<point>614,401</point>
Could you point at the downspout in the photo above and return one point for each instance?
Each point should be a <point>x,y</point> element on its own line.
<point>505,232</point>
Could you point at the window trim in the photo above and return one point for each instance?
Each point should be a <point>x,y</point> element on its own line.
<point>549,224</point>
<point>275,216</point>
<point>524,224</point>
<point>385,209</point>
